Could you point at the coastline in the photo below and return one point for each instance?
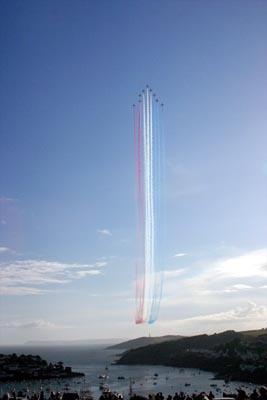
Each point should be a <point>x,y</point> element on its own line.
<point>16,368</point>
<point>93,362</point>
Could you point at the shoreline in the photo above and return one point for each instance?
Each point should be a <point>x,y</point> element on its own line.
<point>43,378</point>
<point>100,362</point>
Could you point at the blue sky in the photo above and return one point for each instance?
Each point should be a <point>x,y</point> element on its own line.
<point>70,72</point>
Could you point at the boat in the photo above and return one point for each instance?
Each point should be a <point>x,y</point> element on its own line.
<point>85,394</point>
<point>131,387</point>
<point>104,386</point>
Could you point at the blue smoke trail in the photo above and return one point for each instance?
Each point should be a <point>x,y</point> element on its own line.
<point>159,174</point>
<point>150,186</point>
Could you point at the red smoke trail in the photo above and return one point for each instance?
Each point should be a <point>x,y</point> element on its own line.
<point>149,160</point>
<point>136,167</point>
<point>140,270</point>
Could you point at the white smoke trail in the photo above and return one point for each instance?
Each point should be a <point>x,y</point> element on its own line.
<point>152,239</point>
<point>146,206</point>
<point>151,181</point>
<point>148,215</point>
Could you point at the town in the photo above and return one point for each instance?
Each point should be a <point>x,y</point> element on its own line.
<point>25,367</point>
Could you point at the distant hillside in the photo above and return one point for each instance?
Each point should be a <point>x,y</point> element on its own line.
<point>84,342</point>
<point>231,355</point>
<point>255,333</point>
<point>165,352</point>
<point>144,341</point>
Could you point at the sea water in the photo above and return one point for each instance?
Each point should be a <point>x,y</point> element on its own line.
<point>94,361</point>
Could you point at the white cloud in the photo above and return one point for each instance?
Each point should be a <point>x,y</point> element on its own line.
<point>23,291</point>
<point>22,276</point>
<point>4,250</point>
<point>4,199</point>
<point>242,287</point>
<point>175,273</point>
<point>239,318</point>
<point>104,231</point>
<point>180,255</point>
<point>230,273</point>
<point>82,274</point>
<point>212,283</point>
<point>248,312</point>
<point>100,264</point>
<point>231,289</point>
<point>250,264</point>
<point>27,324</point>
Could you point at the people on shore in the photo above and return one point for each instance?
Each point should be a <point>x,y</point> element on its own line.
<point>260,394</point>
<point>255,395</point>
<point>263,393</point>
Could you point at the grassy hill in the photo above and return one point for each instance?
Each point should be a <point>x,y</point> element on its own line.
<point>255,333</point>
<point>230,354</point>
<point>144,341</point>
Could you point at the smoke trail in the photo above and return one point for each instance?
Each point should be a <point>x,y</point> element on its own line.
<point>161,221</point>
<point>158,161</point>
<point>149,174</point>
<point>140,271</point>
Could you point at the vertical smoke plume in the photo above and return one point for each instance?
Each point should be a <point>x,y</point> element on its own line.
<point>149,155</point>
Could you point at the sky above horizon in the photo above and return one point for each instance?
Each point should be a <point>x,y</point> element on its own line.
<point>69,74</point>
